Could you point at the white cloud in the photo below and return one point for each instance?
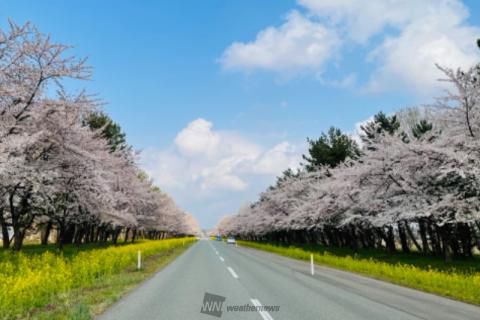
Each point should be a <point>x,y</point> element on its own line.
<point>410,36</point>
<point>357,131</point>
<point>203,161</point>
<point>360,20</point>
<point>346,82</point>
<point>297,45</point>
<point>164,166</point>
<point>222,175</point>
<point>408,59</point>
<point>197,138</point>
<point>277,159</point>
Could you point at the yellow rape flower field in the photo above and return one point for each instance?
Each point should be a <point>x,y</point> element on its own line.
<point>459,281</point>
<point>32,281</point>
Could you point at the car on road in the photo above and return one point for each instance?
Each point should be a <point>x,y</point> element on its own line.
<point>230,240</point>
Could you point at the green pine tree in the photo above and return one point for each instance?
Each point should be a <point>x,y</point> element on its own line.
<point>331,149</point>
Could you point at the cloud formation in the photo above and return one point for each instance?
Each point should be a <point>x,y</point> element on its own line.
<point>212,172</point>
<point>208,161</point>
<point>299,44</point>
<point>404,39</point>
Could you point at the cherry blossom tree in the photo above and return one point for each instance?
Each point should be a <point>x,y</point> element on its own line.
<point>416,185</point>
<point>58,170</point>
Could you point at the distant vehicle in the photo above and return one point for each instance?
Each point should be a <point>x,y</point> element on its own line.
<point>218,238</point>
<point>231,240</point>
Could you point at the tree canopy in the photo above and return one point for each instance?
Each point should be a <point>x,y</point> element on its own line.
<point>110,130</point>
<point>330,149</point>
<point>416,184</point>
<point>64,165</point>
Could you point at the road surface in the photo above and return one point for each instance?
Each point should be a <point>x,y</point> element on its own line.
<point>244,276</point>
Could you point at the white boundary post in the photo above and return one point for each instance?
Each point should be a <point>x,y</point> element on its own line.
<point>139,260</point>
<point>312,266</point>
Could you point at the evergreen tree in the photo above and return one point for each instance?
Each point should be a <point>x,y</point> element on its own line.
<point>421,128</point>
<point>110,130</point>
<point>381,123</point>
<point>331,149</point>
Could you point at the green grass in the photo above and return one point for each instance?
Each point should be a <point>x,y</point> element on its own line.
<point>86,303</point>
<point>459,279</point>
<point>69,250</point>
<point>414,259</point>
<point>88,298</point>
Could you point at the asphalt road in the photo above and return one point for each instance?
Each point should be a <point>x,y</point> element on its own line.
<point>249,277</point>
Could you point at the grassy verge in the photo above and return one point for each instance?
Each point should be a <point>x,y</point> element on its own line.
<point>79,283</point>
<point>457,279</point>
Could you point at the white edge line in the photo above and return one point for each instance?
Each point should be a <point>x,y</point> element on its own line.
<point>221,259</point>
<point>232,272</point>
<point>265,315</point>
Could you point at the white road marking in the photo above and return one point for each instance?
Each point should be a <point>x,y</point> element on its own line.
<point>265,315</point>
<point>216,251</point>
<point>221,259</point>
<point>233,273</point>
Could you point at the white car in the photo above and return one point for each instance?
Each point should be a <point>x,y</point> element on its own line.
<point>231,240</point>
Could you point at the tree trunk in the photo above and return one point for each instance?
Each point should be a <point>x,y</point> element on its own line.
<point>412,237</point>
<point>18,236</point>
<point>69,234</point>
<point>475,235</point>
<point>60,236</point>
<point>465,235</point>
<point>4,227</point>
<point>390,240</point>
<point>444,238</point>
<point>134,235</point>
<point>423,235</point>
<point>436,239</point>
<point>403,236</point>
<point>116,234</point>
<point>45,233</point>
<point>353,238</point>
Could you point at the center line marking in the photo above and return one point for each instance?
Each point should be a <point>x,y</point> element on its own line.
<point>221,259</point>
<point>232,272</point>
<point>265,315</point>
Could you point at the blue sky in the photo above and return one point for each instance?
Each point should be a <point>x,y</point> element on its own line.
<point>221,94</point>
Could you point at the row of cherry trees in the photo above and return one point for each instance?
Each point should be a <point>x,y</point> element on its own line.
<point>414,185</point>
<point>59,169</point>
